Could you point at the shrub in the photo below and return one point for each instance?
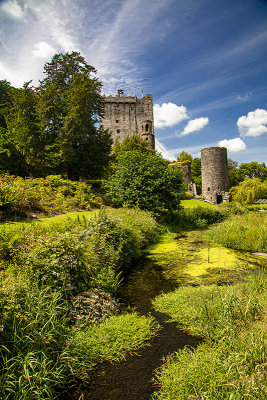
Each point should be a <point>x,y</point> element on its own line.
<point>249,190</point>
<point>144,180</point>
<point>49,195</point>
<point>188,196</point>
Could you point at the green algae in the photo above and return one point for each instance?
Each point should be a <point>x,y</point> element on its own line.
<point>192,259</point>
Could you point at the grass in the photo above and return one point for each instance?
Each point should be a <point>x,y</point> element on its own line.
<point>242,232</point>
<point>109,341</point>
<point>196,203</point>
<point>231,363</point>
<point>51,271</point>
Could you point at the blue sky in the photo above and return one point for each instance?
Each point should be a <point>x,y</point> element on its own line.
<point>204,62</point>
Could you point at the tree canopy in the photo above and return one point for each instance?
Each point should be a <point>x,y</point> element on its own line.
<point>249,191</point>
<point>184,156</point>
<point>144,180</point>
<point>53,126</point>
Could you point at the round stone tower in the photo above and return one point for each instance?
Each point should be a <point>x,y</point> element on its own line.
<point>214,172</point>
<point>147,133</point>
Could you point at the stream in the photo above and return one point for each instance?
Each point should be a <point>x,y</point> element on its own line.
<point>176,259</point>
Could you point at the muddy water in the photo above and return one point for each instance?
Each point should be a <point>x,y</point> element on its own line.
<point>175,260</point>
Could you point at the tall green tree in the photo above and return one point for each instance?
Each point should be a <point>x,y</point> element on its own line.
<point>196,173</point>
<point>24,125</point>
<point>11,159</point>
<point>145,180</point>
<point>69,103</point>
<point>131,143</point>
<point>5,101</point>
<point>249,190</point>
<point>233,176</point>
<point>184,156</point>
<point>252,170</point>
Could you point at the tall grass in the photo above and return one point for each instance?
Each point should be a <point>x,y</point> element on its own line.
<point>231,363</point>
<point>242,232</point>
<point>194,217</point>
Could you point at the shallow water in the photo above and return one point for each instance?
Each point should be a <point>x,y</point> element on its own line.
<point>175,260</point>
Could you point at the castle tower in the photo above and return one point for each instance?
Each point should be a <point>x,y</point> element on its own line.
<point>214,171</point>
<point>124,115</point>
<point>147,135</point>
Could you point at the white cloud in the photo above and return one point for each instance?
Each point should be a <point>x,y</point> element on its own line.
<point>13,9</point>
<point>254,124</point>
<point>168,114</point>
<point>168,155</point>
<point>43,50</point>
<point>233,145</point>
<point>195,125</point>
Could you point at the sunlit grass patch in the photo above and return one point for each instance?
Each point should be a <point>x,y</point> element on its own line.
<point>196,203</point>
<point>231,363</point>
<point>109,341</point>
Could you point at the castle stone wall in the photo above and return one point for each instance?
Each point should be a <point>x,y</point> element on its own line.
<point>214,172</point>
<point>123,116</point>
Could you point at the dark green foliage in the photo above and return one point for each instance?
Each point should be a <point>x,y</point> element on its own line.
<point>69,102</point>
<point>145,180</point>
<point>53,127</point>
<point>252,170</point>
<point>233,176</point>
<point>196,173</point>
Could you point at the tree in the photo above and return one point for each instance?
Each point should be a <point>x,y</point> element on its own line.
<point>252,170</point>
<point>69,102</point>
<point>5,101</point>
<point>233,176</point>
<point>23,125</point>
<point>144,180</point>
<point>196,173</point>
<point>249,191</point>
<point>131,143</point>
<point>184,156</point>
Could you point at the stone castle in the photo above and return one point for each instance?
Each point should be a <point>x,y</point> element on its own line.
<point>126,116</point>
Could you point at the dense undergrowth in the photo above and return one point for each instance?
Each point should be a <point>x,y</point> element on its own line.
<point>231,363</point>
<point>58,288</point>
<point>52,194</point>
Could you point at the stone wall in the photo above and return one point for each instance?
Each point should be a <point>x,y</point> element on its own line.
<point>123,116</point>
<point>214,172</point>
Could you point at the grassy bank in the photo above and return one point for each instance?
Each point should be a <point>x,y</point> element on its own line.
<point>58,296</point>
<point>231,363</point>
<point>242,232</point>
